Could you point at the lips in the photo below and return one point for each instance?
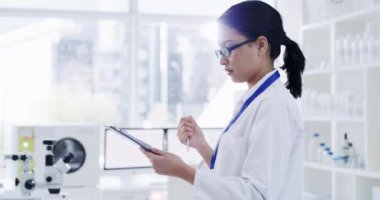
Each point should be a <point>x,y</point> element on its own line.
<point>228,71</point>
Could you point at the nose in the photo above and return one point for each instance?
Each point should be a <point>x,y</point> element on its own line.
<point>223,60</point>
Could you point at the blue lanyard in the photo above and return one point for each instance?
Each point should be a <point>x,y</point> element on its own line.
<point>259,90</point>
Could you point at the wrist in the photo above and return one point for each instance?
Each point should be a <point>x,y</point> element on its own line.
<point>206,152</point>
<point>204,148</point>
<point>187,173</point>
<point>201,146</point>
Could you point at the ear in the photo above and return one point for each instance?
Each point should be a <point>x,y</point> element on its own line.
<point>262,44</point>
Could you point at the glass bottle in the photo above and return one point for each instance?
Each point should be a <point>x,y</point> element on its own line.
<point>352,156</point>
<point>320,152</point>
<point>312,148</point>
<point>345,149</point>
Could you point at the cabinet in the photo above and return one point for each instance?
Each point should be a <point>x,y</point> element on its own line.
<point>341,42</point>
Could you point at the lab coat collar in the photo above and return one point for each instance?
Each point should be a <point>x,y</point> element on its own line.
<point>256,86</point>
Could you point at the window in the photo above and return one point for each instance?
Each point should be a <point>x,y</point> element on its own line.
<point>59,70</point>
<point>72,5</point>
<point>76,66</point>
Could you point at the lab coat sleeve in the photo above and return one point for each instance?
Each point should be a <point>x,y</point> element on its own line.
<point>265,166</point>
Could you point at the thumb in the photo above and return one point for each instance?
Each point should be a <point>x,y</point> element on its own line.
<point>157,151</point>
<point>148,154</point>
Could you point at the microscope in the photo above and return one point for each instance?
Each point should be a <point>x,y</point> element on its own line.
<point>26,182</point>
<point>54,173</point>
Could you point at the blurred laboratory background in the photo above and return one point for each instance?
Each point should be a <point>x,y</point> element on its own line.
<point>67,68</point>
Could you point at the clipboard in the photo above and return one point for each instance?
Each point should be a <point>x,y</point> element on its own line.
<point>139,142</point>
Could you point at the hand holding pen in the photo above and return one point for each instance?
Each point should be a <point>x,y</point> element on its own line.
<point>189,133</point>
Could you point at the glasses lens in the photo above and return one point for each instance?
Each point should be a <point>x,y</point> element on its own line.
<point>225,52</point>
<point>218,53</point>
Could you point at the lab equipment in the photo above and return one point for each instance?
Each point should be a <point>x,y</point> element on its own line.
<point>312,148</point>
<point>330,160</point>
<point>83,141</point>
<point>74,152</point>
<point>54,172</point>
<point>352,156</point>
<point>346,148</point>
<point>326,156</point>
<point>347,50</point>
<point>26,182</point>
<point>320,152</point>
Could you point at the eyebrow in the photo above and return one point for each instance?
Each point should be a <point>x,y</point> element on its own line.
<point>224,43</point>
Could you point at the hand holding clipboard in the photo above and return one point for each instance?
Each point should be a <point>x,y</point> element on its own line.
<point>139,142</point>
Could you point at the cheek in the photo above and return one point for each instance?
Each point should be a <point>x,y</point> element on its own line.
<point>242,63</point>
<point>244,67</point>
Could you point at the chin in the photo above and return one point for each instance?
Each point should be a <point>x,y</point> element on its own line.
<point>237,80</point>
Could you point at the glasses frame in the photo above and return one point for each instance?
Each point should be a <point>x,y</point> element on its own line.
<point>226,51</point>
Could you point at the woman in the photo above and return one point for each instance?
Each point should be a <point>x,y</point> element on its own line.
<point>259,154</point>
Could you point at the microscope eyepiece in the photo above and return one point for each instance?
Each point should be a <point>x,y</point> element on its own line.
<point>48,142</point>
<point>68,158</point>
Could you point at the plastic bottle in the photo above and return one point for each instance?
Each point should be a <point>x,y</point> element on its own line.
<point>347,50</point>
<point>370,32</point>
<point>339,51</point>
<point>377,49</point>
<point>346,149</point>
<point>355,49</point>
<point>312,148</point>
<point>363,44</point>
<point>352,156</point>
<point>330,160</point>
<point>320,152</point>
<point>366,45</point>
<point>326,156</point>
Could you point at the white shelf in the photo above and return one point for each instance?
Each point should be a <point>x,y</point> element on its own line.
<point>357,84</point>
<point>334,119</point>
<point>348,171</point>
<point>347,17</point>
<point>342,69</point>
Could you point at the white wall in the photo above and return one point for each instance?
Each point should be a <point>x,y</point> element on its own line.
<point>291,12</point>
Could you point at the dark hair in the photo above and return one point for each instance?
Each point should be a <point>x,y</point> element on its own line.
<point>256,18</point>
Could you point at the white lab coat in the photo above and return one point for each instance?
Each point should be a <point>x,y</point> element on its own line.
<point>260,156</point>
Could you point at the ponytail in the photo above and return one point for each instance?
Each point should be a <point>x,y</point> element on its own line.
<point>294,64</point>
<point>253,18</point>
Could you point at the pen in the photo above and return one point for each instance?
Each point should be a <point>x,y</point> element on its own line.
<point>188,143</point>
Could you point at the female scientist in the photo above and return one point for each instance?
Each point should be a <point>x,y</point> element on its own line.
<point>259,154</point>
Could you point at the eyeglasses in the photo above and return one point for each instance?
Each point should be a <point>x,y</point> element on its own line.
<point>226,51</point>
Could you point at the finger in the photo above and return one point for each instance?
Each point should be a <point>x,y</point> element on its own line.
<point>180,126</point>
<point>188,124</point>
<point>146,153</point>
<point>183,134</point>
<point>157,151</point>
<point>183,138</point>
<point>181,121</point>
<point>186,134</point>
<point>186,129</point>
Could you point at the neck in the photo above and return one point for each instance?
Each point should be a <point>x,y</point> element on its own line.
<point>258,76</point>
